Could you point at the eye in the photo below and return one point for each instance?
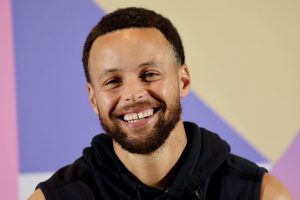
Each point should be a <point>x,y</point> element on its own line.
<point>112,82</point>
<point>150,76</point>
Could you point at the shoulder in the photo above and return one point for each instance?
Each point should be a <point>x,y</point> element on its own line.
<point>37,195</point>
<point>240,177</point>
<point>246,168</point>
<point>273,189</point>
<point>71,179</point>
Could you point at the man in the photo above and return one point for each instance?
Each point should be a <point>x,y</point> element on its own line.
<point>136,75</point>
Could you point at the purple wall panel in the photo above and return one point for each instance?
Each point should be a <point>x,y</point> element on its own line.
<point>55,120</point>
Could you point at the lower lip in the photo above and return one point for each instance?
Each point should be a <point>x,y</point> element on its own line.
<point>140,122</point>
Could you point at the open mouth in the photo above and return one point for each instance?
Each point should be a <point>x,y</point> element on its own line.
<point>134,117</point>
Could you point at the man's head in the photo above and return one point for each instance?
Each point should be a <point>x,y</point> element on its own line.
<point>136,81</point>
<point>130,18</point>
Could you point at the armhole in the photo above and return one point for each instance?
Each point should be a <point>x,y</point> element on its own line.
<point>257,182</point>
<point>45,189</point>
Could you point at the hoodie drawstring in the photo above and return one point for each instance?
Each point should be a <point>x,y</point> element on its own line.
<point>198,192</point>
<point>138,192</point>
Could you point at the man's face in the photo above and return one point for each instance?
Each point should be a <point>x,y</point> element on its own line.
<point>136,87</point>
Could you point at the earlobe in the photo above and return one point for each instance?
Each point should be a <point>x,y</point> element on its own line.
<point>184,80</point>
<point>92,98</point>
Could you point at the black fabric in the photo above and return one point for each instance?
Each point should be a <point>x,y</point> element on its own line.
<point>205,170</point>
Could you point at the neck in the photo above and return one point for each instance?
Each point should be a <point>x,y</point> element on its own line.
<point>154,169</point>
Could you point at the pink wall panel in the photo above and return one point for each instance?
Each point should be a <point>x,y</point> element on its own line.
<point>8,125</point>
<point>287,168</point>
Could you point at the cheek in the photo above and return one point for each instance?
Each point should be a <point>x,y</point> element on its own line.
<point>106,103</point>
<point>165,89</point>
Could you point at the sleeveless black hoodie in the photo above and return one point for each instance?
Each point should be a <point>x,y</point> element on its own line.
<point>205,170</point>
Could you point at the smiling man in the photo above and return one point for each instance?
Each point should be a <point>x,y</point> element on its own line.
<point>136,76</point>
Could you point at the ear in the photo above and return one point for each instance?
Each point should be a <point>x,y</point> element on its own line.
<point>184,80</point>
<point>92,98</point>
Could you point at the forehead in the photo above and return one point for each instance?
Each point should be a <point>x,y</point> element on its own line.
<point>130,35</point>
<point>130,46</point>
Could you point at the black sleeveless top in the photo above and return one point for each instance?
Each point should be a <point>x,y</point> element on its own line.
<point>205,170</point>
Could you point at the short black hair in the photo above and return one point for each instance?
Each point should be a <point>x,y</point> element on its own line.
<point>133,17</point>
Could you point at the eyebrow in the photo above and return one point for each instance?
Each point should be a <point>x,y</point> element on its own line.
<point>108,71</point>
<point>113,70</point>
<point>150,63</point>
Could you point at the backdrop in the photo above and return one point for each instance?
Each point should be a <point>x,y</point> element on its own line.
<point>245,67</point>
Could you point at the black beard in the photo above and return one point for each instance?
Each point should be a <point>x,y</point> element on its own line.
<point>161,131</point>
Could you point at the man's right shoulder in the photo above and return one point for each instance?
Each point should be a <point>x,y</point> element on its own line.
<point>37,195</point>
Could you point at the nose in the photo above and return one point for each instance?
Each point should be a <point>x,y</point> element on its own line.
<point>133,90</point>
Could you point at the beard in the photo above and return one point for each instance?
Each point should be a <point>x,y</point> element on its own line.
<point>165,123</point>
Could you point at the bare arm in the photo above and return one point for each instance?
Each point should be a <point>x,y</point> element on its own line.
<point>37,195</point>
<point>273,189</point>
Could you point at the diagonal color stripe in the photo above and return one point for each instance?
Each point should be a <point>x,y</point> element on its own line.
<point>194,109</point>
<point>8,130</point>
<point>287,168</point>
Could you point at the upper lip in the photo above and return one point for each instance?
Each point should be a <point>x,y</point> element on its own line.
<point>135,110</point>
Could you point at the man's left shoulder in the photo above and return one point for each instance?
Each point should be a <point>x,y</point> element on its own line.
<point>245,167</point>
<point>272,188</point>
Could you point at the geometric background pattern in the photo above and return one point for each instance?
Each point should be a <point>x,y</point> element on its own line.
<point>45,118</point>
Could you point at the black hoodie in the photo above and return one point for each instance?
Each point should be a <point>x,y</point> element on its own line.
<point>205,170</point>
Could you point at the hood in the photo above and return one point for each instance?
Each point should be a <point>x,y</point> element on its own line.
<point>204,153</point>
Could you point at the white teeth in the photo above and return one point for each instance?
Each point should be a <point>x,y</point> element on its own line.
<point>135,116</point>
<point>147,113</point>
<point>132,117</point>
<point>141,115</point>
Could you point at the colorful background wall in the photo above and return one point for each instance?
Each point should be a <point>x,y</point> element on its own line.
<point>245,67</point>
